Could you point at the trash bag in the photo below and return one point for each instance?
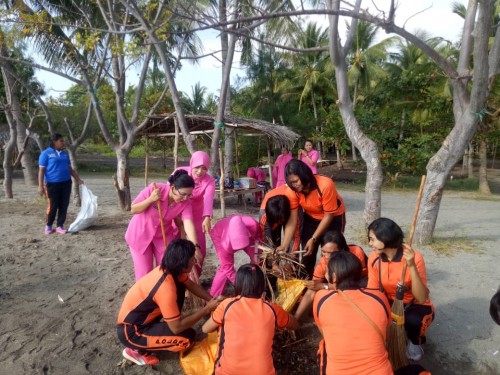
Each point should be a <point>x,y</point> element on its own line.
<point>200,360</point>
<point>88,211</point>
<point>289,292</point>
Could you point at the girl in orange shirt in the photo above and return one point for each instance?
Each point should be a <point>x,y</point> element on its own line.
<point>246,326</point>
<point>385,267</point>
<point>332,242</point>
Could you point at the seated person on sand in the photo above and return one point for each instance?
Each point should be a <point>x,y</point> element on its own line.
<point>150,318</point>
<point>353,322</point>
<point>332,242</point>
<point>246,326</point>
<point>385,267</point>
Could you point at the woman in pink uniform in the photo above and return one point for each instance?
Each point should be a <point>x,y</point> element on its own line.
<point>259,175</point>
<point>309,156</point>
<point>144,234</point>
<point>233,233</point>
<point>278,174</point>
<point>202,200</point>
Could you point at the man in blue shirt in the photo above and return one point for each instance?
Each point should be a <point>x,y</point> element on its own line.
<point>54,181</point>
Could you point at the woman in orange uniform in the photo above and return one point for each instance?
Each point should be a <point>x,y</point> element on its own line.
<point>332,242</point>
<point>323,207</point>
<point>246,326</point>
<point>353,322</point>
<point>385,267</point>
<point>150,318</point>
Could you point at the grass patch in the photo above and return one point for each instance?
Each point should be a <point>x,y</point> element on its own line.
<point>453,246</point>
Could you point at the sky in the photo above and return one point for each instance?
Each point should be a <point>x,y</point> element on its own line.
<point>434,16</point>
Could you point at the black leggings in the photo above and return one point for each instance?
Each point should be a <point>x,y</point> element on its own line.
<point>308,228</point>
<point>58,194</point>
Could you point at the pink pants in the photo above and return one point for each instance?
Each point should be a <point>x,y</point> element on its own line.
<point>146,260</point>
<point>226,270</point>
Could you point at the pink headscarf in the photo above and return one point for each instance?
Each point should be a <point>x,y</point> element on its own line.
<point>200,158</point>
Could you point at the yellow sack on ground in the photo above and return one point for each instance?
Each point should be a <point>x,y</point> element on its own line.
<point>289,292</point>
<point>200,360</point>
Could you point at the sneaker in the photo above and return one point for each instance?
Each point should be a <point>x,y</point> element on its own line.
<point>414,352</point>
<point>61,230</point>
<point>140,359</point>
<point>48,230</point>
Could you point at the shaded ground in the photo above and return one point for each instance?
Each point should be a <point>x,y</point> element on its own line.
<point>92,270</point>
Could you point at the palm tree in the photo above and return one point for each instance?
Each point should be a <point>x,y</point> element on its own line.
<point>312,73</point>
<point>196,103</point>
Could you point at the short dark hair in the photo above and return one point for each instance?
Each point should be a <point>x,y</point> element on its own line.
<point>277,210</point>
<point>53,138</point>
<point>388,232</point>
<point>300,169</point>
<point>495,307</point>
<point>250,281</point>
<point>333,236</point>
<point>177,256</point>
<point>347,270</point>
<point>181,179</point>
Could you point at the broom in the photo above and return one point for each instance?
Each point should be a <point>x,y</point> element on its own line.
<point>161,219</point>
<point>396,337</point>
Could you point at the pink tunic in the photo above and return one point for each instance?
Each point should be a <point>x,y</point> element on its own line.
<point>202,200</point>
<point>279,169</point>
<point>144,230</point>
<point>257,173</point>
<point>229,235</point>
<point>314,155</point>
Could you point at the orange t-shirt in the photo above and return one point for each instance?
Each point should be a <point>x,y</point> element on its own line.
<point>353,346</point>
<point>282,190</point>
<point>329,201</point>
<point>153,295</point>
<point>246,335</point>
<point>390,274</point>
<point>322,266</point>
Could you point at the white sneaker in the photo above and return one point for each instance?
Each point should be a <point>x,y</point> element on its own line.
<point>414,352</point>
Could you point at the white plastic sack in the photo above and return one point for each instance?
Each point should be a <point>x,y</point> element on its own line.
<point>88,211</point>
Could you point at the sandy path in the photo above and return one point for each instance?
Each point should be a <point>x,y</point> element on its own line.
<point>92,270</point>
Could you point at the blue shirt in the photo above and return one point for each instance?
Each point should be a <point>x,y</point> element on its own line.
<point>56,165</point>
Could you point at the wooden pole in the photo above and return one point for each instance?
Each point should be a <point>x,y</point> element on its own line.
<point>146,163</point>
<point>221,183</point>
<point>237,154</point>
<point>269,163</point>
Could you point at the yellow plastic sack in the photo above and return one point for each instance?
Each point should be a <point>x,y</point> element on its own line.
<point>289,292</point>
<point>200,360</point>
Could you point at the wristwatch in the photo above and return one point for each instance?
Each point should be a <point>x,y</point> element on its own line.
<point>314,239</point>
<point>326,286</point>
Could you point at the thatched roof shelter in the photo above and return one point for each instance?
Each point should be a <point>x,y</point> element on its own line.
<point>164,126</point>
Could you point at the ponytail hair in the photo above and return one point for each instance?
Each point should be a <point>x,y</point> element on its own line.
<point>250,281</point>
<point>180,179</point>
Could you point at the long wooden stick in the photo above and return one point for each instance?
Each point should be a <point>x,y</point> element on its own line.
<point>221,183</point>
<point>161,219</point>
<point>415,213</point>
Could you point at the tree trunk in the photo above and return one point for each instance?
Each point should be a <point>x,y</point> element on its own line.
<point>339,158</point>
<point>228,43</point>
<point>229,153</point>
<point>466,110</point>
<point>9,148</point>
<point>483,161</point>
<point>77,199</point>
<point>121,180</point>
<point>367,148</point>
<point>470,162</point>
<point>29,170</point>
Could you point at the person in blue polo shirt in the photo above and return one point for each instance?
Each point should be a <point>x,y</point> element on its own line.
<point>54,181</point>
